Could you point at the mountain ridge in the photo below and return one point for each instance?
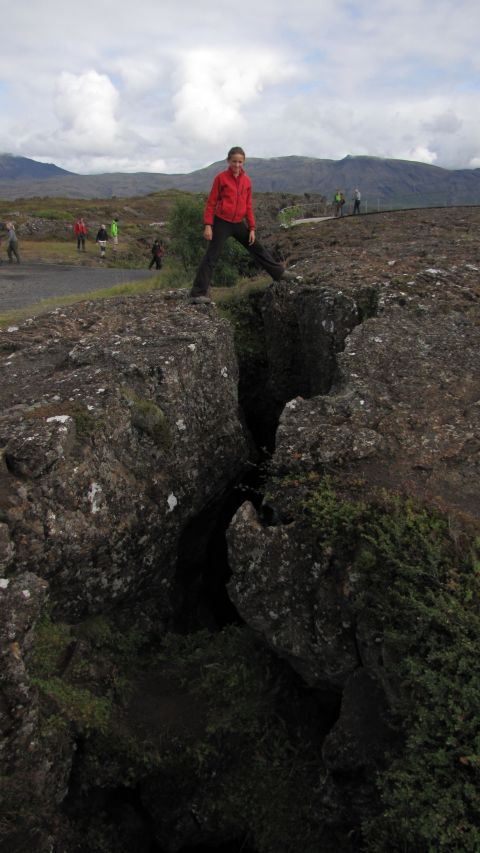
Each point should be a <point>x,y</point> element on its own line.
<point>382,181</point>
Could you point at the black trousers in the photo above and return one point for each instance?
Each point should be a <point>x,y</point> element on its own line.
<point>222,230</point>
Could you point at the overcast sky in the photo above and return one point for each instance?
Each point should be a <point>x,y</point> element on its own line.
<point>170,85</point>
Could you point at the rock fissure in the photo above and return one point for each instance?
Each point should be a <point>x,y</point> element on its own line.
<point>203,661</point>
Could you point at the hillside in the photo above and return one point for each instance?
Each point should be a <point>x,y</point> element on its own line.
<point>384,183</point>
<point>22,168</point>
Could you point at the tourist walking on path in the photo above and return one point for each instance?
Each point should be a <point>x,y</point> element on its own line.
<point>157,255</point>
<point>337,203</point>
<point>12,244</point>
<point>357,197</point>
<point>80,231</point>
<point>114,234</point>
<point>228,205</point>
<point>101,239</point>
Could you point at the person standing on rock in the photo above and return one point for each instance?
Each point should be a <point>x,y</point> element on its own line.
<point>12,243</point>
<point>228,205</point>
<point>80,231</point>
<point>101,239</point>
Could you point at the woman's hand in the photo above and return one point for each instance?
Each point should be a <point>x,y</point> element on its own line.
<point>251,237</point>
<point>207,232</point>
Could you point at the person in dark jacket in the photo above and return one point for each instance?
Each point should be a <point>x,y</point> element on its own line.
<point>101,239</point>
<point>228,205</point>
<point>157,255</point>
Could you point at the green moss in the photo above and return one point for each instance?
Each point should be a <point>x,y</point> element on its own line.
<point>244,314</point>
<point>76,705</point>
<point>85,423</point>
<point>52,642</point>
<point>228,740</point>
<point>418,593</point>
<point>148,417</point>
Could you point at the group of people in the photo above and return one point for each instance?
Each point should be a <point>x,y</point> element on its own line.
<point>80,230</point>
<point>339,202</point>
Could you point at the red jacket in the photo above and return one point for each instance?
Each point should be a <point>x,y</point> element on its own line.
<point>230,199</point>
<point>79,227</point>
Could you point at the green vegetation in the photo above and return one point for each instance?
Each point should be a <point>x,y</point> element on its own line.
<point>53,214</point>
<point>72,704</point>
<point>215,726</point>
<point>288,215</point>
<point>226,740</point>
<point>149,418</point>
<point>418,591</point>
<point>188,244</point>
<point>242,311</point>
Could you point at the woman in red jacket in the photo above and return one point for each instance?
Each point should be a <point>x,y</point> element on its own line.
<point>228,205</point>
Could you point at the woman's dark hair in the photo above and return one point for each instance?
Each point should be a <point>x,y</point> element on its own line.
<point>235,150</point>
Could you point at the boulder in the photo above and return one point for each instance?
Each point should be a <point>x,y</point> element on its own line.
<point>119,424</point>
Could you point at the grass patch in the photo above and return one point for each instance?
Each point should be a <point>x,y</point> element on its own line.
<point>171,277</point>
<point>133,288</point>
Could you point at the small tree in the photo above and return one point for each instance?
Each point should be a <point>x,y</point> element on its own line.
<point>186,230</point>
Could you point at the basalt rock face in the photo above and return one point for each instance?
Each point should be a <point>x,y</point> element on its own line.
<point>354,577</point>
<point>388,416</point>
<point>382,377</point>
<point>119,424</point>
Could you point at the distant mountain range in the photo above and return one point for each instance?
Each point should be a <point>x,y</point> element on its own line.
<point>383,182</point>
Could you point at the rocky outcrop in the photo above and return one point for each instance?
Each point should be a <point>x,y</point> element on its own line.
<point>344,710</point>
<point>374,481</point>
<point>119,424</point>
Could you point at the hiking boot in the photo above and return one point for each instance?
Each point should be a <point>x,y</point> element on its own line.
<point>287,276</point>
<point>200,300</point>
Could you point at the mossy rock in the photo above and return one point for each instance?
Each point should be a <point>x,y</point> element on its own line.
<point>149,418</point>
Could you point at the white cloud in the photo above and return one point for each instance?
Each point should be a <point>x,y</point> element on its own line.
<point>170,88</point>
<point>216,87</point>
<point>86,106</point>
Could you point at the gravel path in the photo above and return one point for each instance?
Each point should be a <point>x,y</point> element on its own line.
<point>27,284</point>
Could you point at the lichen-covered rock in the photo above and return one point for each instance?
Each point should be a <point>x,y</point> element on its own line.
<point>404,411</point>
<point>297,603</point>
<point>35,766</point>
<point>119,424</point>
<point>305,327</point>
<point>359,568</point>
